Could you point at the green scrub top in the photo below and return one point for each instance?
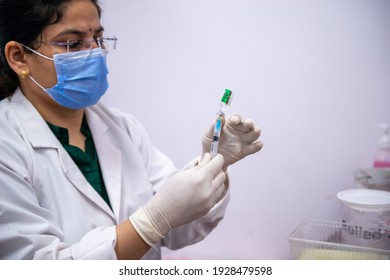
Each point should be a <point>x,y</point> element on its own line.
<point>87,161</point>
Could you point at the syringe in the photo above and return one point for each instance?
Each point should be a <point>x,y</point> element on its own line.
<point>226,100</point>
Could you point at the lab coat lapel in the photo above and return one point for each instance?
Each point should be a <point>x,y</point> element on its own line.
<point>77,178</point>
<point>40,136</point>
<point>110,160</point>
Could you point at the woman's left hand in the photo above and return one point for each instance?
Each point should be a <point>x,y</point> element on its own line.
<point>239,138</point>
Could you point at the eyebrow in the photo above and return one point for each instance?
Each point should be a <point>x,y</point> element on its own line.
<point>78,32</point>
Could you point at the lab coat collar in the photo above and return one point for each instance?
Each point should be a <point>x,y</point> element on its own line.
<point>33,123</point>
<point>40,136</point>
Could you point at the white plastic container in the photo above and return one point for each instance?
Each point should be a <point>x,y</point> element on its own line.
<point>369,209</point>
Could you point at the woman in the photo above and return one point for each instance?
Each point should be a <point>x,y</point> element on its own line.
<point>79,180</point>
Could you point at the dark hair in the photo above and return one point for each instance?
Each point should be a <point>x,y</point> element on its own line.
<point>23,21</point>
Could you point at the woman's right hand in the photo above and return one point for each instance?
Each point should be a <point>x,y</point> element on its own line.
<point>186,196</point>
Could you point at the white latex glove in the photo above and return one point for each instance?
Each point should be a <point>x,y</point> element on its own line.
<point>239,138</point>
<point>186,196</point>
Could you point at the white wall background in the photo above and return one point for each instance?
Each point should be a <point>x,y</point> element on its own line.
<point>314,75</point>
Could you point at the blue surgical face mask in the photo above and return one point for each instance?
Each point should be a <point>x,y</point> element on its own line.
<point>81,78</point>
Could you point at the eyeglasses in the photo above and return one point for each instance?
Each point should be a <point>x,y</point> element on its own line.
<point>74,45</point>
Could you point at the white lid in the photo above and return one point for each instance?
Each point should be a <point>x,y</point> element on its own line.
<point>366,199</point>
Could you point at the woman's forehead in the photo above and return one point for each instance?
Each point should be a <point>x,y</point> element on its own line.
<point>80,17</point>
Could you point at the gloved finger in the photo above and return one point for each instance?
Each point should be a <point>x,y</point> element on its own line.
<point>252,148</point>
<point>213,166</point>
<point>203,161</point>
<point>248,124</point>
<point>242,126</point>
<point>209,133</point>
<point>219,179</point>
<point>220,191</point>
<point>222,120</point>
<point>234,119</point>
<point>250,136</point>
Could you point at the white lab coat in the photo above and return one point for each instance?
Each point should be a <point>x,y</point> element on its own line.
<point>48,210</point>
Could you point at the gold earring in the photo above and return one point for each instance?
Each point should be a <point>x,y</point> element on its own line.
<point>24,74</point>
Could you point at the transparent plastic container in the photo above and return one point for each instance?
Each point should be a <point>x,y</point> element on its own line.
<point>323,240</point>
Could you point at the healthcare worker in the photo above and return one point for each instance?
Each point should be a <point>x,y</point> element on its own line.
<point>79,180</point>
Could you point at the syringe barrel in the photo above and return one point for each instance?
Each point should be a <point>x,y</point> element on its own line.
<point>216,135</point>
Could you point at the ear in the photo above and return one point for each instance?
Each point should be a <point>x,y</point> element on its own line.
<point>15,55</point>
